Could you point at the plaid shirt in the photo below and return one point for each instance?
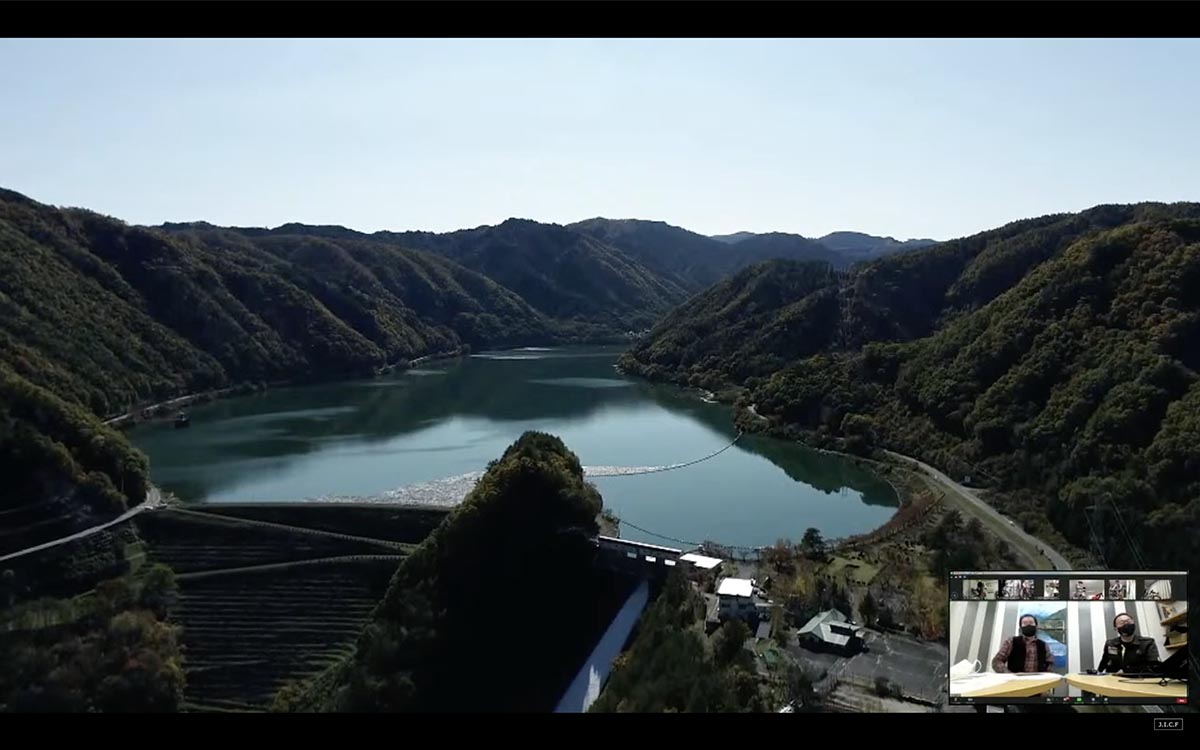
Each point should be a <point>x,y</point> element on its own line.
<point>1000,662</point>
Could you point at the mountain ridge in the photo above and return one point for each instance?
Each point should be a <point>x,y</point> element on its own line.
<point>1053,359</point>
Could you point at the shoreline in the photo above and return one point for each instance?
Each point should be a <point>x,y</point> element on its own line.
<point>904,494</point>
<point>152,411</point>
<point>143,413</point>
<point>462,351</point>
<point>763,426</point>
<point>419,495</point>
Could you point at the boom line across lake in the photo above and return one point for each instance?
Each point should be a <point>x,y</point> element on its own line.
<point>451,490</point>
<point>631,471</point>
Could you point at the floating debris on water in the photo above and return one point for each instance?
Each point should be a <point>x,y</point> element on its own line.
<point>450,491</point>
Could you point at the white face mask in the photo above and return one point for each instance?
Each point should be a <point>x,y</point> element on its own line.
<point>965,668</point>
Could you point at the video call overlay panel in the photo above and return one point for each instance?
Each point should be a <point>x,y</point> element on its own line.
<point>1079,637</point>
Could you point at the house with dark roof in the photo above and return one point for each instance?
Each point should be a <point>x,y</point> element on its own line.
<point>831,631</point>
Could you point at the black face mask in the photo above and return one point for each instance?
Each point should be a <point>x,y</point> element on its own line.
<point>1028,630</point>
<point>1127,629</point>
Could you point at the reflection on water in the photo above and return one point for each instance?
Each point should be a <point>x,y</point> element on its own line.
<point>366,438</point>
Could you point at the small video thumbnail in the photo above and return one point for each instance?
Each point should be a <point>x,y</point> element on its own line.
<point>1120,589</point>
<point>1017,588</point>
<point>979,588</point>
<point>1049,589</point>
<point>1157,589</point>
<point>1087,589</point>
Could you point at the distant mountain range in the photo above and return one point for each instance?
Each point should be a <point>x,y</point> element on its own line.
<point>695,261</point>
<point>849,246</point>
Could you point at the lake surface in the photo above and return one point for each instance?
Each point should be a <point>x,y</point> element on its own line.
<point>437,426</point>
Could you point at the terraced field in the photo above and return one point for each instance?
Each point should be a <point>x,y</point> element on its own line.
<point>246,634</point>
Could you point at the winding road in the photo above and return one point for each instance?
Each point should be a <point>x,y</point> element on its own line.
<point>1032,547</point>
<point>153,500</point>
<point>1002,526</point>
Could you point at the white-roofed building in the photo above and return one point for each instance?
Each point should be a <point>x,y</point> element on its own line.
<point>702,569</point>
<point>735,598</point>
<point>831,631</point>
<point>702,562</point>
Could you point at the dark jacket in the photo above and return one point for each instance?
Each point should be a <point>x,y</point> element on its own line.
<point>1139,654</point>
<point>1012,656</point>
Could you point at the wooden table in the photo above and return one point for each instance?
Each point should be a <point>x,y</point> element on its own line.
<point>1119,686</point>
<point>993,685</point>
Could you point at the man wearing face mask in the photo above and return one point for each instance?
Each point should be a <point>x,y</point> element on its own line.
<point>1128,652</point>
<point>1025,652</point>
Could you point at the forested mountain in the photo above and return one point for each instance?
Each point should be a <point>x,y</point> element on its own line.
<point>767,316</point>
<point>697,262</point>
<point>108,315</point>
<point>783,246</point>
<point>97,316</point>
<point>1054,359</point>
<point>590,287</point>
<point>732,238</point>
<point>693,260</point>
<point>849,247</point>
<point>448,619</point>
<point>858,246</point>
<point>585,287</point>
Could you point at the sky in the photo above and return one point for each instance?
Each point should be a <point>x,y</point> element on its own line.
<point>907,138</point>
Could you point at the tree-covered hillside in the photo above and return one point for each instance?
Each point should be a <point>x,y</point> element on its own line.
<point>672,667</point>
<point>458,629</point>
<point>858,246</point>
<point>97,317</point>
<point>765,317</point>
<point>572,277</point>
<point>1054,359</point>
<point>693,260</point>
<point>109,315</point>
<point>60,466</point>
<point>782,246</point>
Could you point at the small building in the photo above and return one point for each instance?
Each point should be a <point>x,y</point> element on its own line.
<point>702,569</point>
<point>703,562</point>
<point>831,631</point>
<point>735,598</point>
<point>636,558</point>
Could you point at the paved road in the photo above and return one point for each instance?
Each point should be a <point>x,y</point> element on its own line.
<point>151,407</point>
<point>153,500</point>
<point>1002,526</point>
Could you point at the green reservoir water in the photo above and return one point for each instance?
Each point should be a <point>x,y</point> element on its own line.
<point>433,427</point>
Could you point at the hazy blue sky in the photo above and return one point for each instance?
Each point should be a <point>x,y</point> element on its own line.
<point>909,138</point>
